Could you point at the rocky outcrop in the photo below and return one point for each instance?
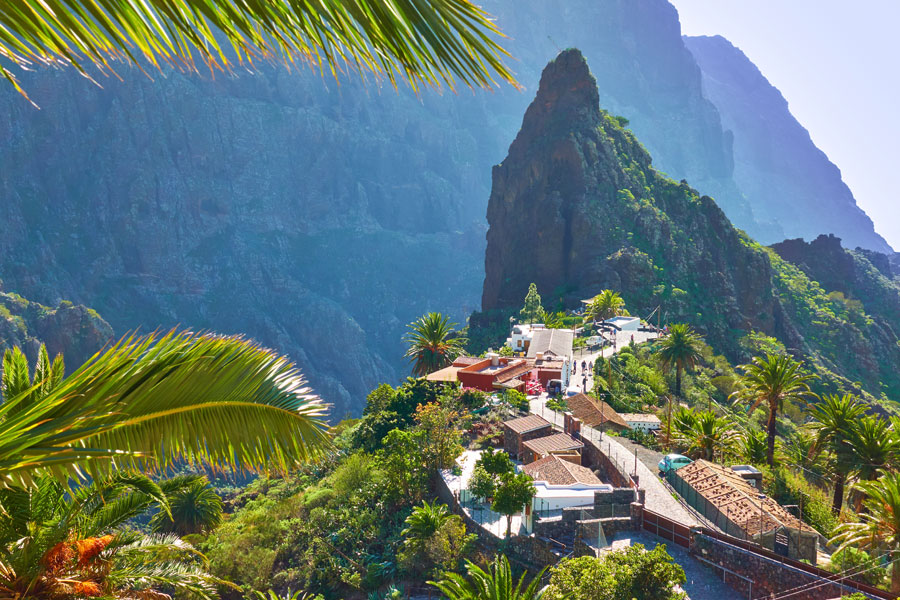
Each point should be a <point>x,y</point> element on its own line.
<point>577,207</point>
<point>75,331</point>
<point>776,164</point>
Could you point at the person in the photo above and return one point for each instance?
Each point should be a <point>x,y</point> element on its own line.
<point>632,338</point>
<point>574,368</point>
<point>583,365</point>
<point>591,367</point>
<point>584,383</point>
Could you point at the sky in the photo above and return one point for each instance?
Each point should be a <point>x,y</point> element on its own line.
<point>837,62</point>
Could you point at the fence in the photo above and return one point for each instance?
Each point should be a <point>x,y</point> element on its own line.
<point>667,529</point>
<point>482,514</point>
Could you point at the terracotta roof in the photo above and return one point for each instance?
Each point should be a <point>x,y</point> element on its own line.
<point>465,361</point>
<point>510,384</point>
<point>526,424</point>
<point>593,412</point>
<point>640,417</point>
<point>558,442</point>
<point>552,341</point>
<point>739,501</point>
<point>445,374</point>
<point>557,471</point>
<point>513,372</point>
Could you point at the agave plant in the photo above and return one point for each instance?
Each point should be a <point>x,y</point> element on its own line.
<point>149,401</point>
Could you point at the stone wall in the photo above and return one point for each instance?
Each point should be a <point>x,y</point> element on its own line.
<point>597,460</point>
<point>768,575</point>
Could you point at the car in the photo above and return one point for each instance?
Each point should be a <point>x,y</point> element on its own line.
<point>673,462</point>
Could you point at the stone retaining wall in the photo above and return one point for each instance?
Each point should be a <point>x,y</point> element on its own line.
<point>597,460</point>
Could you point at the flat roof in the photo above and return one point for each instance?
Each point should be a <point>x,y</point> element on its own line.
<point>640,417</point>
<point>447,375</point>
<point>558,442</point>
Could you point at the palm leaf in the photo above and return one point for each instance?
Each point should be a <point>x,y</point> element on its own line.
<point>149,401</point>
<point>431,42</point>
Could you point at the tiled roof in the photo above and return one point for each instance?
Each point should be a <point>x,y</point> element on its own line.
<point>739,501</point>
<point>640,417</point>
<point>558,442</point>
<point>593,412</point>
<point>509,384</point>
<point>445,374</point>
<point>465,361</point>
<point>513,372</point>
<point>553,341</point>
<point>557,471</point>
<point>526,424</point>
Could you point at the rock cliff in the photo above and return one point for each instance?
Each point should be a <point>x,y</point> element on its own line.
<point>73,330</point>
<point>776,163</point>
<point>317,218</point>
<point>577,207</point>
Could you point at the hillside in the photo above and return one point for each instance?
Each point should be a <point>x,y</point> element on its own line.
<point>275,202</point>
<point>774,157</point>
<point>75,331</point>
<point>577,207</point>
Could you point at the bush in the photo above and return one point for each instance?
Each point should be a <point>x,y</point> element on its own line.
<point>859,561</point>
<point>557,404</point>
<point>516,399</point>
<point>786,487</point>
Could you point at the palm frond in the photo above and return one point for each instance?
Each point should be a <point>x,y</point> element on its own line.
<point>430,42</point>
<point>149,401</point>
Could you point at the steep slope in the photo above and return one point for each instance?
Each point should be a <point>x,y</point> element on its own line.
<point>576,207</point>
<point>75,331</point>
<point>776,164</point>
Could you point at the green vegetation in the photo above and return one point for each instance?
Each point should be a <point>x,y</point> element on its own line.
<point>494,583</point>
<point>681,349</point>
<point>431,43</point>
<point>433,343</point>
<point>532,311</point>
<point>605,305</point>
<point>633,574</point>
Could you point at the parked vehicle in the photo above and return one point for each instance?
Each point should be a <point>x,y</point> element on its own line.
<point>673,462</point>
<point>554,387</point>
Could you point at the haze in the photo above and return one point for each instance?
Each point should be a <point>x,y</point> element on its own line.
<point>836,64</point>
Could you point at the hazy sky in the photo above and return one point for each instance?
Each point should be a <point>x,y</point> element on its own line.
<point>837,62</point>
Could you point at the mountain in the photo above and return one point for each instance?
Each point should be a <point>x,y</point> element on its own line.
<point>577,207</point>
<point>776,163</point>
<point>319,218</point>
<point>75,331</point>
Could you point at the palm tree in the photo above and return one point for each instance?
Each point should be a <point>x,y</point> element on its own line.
<point>771,381</point>
<point>753,446</point>
<point>430,42</point>
<point>802,451</point>
<point>705,435</point>
<point>150,401</point>
<point>879,527</point>
<point>425,520</point>
<point>874,446</point>
<point>495,583</point>
<point>682,348</point>
<point>834,419</point>
<point>432,343</point>
<point>68,545</point>
<point>605,305</point>
<point>195,508</point>
<point>15,379</point>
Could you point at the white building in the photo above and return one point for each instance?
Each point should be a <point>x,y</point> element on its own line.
<point>644,422</point>
<point>560,484</point>
<point>521,336</point>
<point>624,323</point>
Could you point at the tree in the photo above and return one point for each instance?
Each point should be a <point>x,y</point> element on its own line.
<point>706,436</point>
<point>630,574</point>
<point>432,532</point>
<point>682,348</point>
<point>532,310</point>
<point>496,463</point>
<point>874,446</point>
<point>431,43</point>
<point>65,546</point>
<point>147,402</point>
<point>513,493</point>
<point>194,508</point>
<point>432,343</point>
<point>605,305</point>
<point>440,437</point>
<point>425,520</point>
<point>753,445</point>
<point>15,377</point>
<point>879,527</point>
<point>482,484</point>
<point>495,583</point>
<point>772,381</point>
<point>834,419</point>
<point>401,459</point>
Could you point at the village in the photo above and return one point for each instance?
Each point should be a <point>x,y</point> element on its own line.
<point>593,490</point>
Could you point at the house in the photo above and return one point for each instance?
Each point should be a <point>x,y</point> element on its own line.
<point>547,367</point>
<point>518,431</point>
<point>559,484</point>
<point>595,413</point>
<point>559,444</point>
<point>520,337</point>
<point>551,342</point>
<point>624,323</point>
<point>494,373</point>
<point>449,374</point>
<point>739,509</point>
<point>641,421</point>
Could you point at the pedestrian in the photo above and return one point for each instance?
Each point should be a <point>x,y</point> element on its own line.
<point>591,367</point>
<point>632,338</point>
<point>584,383</point>
<point>583,365</point>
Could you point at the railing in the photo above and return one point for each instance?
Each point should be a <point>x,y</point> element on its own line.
<point>666,528</point>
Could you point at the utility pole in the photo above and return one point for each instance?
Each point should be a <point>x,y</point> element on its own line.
<point>669,423</point>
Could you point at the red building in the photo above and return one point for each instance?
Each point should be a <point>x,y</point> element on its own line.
<point>495,373</point>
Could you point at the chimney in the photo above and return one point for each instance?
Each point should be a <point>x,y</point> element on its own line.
<point>539,356</point>
<point>495,359</point>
